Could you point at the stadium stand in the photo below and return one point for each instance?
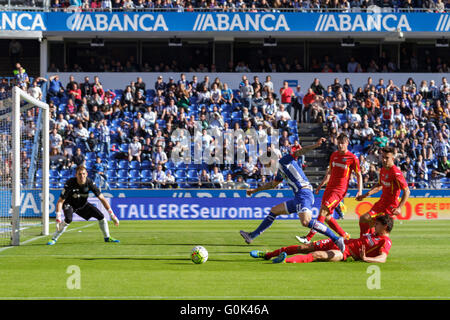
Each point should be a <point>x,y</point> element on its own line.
<point>126,140</point>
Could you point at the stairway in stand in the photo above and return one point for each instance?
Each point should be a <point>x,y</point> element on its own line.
<point>316,160</point>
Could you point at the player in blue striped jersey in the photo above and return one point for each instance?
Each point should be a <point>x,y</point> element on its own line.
<point>290,171</point>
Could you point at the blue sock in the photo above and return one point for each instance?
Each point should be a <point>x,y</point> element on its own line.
<point>266,223</point>
<point>323,229</point>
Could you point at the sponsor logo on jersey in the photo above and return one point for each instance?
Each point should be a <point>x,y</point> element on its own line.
<point>337,164</point>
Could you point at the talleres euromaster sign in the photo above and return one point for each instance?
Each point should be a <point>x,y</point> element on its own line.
<point>224,22</point>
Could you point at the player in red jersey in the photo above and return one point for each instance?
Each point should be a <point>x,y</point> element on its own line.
<point>392,183</point>
<point>372,247</point>
<point>337,177</point>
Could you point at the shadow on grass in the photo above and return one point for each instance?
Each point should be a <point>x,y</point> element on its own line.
<point>186,260</point>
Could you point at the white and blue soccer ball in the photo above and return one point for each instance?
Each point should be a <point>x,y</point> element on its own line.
<point>199,255</point>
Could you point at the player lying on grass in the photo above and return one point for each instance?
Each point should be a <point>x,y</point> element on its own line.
<point>289,169</point>
<point>337,177</point>
<point>371,247</point>
<point>74,200</point>
<point>392,183</point>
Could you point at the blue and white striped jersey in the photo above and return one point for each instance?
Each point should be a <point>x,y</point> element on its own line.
<point>292,172</point>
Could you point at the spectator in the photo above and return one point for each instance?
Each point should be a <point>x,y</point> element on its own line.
<point>78,158</point>
<point>134,150</point>
<point>159,177</point>
<point>82,135</point>
<point>56,89</point>
<point>229,183</point>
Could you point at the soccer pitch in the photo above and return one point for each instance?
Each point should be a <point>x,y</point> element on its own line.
<point>153,262</point>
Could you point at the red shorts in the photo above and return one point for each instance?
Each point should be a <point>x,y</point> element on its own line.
<point>328,244</point>
<point>332,198</point>
<point>382,207</point>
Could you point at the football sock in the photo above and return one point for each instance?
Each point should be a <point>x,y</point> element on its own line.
<point>310,235</point>
<point>289,250</point>
<point>58,234</point>
<point>301,258</point>
<point>335,226</point>
<point>312,232</point>
<point>364,227</point>
<point>103,224</point>
<point>323,229</point>
<point>266,223</point>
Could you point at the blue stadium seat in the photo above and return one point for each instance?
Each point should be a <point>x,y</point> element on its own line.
<point>102,155</point>
<point>161,122</point>
<point>55,174</point>
<point>180,175</point>
<point>112,165</point>
<point>111,175</point>
<point>122,173</point>
<point>133,173</point>
<point>124,164</point>
<point>134,183</point>
<point>67,173</point>
<point>170,165</point>
<point>292,124</point>
<point>124,147</point>
<point>192,173</point>
<point>135,164</point>
<point>146,175</point>
<point>122,183</point>
<point>90,164</point>
<point>146,165</point>
<point>90,155</point>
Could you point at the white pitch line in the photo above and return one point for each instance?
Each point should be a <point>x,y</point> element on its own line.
<point>231,297</point>
<point>39,237</point>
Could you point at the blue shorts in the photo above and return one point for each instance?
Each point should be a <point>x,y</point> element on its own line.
<point>302,202</point>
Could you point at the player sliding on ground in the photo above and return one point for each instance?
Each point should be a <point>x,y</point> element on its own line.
<point>303,201</point>
<point>371,247</point>
<point>392,182</point>
<point>74,200</point>
<point>337,177</point>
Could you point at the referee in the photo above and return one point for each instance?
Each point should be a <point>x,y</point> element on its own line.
<point>73,199</point>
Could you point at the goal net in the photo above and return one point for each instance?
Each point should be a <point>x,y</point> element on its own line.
<point>24,168</point>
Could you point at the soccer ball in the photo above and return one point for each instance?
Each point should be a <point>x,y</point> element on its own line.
<point>199,255</point>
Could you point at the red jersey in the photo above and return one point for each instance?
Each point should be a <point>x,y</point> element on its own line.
<point>393,183</point>
<point>373,243</point>
<point>341,166</point>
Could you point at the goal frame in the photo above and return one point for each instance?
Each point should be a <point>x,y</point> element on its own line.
<point>17,96</point>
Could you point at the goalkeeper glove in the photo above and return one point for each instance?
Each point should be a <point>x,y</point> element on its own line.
<point>113,217</point>
<point>59,220</point>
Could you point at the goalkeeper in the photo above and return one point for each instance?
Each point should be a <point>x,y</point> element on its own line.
<point>73,199</point>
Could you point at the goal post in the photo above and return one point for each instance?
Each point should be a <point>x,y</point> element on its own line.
<point>26,120</point>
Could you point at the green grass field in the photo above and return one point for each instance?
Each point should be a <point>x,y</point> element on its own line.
<point>153,262</point>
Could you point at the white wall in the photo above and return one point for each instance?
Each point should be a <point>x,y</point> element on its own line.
<point>114,80</point>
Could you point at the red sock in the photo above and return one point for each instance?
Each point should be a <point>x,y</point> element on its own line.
<point>311,234</point>
<point>364,228</point>
<point>289,250</point>
<point>301,258</point>
<point>336,227</point>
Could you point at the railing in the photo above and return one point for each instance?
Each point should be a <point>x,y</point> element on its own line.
<point>40,6</point>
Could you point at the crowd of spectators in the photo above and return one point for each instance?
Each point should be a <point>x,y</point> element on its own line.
<point>412,117</point>
<point>250,6</point>
<point>132,128</point>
